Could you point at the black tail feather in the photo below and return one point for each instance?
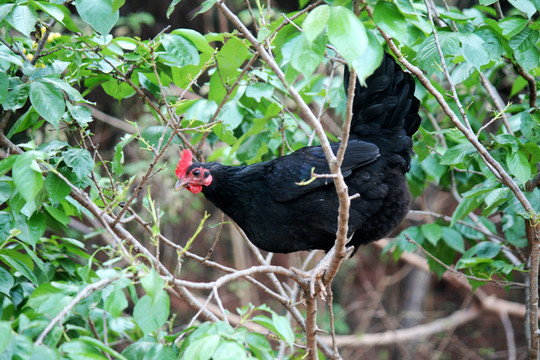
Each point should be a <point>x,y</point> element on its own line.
<point>387,102</point>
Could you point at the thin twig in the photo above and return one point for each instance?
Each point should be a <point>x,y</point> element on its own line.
<point>87,291</point>
<point>451,269</point>
<point>497,100</point>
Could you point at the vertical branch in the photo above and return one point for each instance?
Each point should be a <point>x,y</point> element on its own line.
<point>533,230</point>
<point>342,190</point>
<point>308,116</point>
<point>311,327</point>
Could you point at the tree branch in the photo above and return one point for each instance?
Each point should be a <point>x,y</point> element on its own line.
<point>87,291</point>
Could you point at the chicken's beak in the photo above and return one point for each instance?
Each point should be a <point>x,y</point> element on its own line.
<point>181,184</point>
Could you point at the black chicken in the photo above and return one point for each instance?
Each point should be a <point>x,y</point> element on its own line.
<point>281,216</point>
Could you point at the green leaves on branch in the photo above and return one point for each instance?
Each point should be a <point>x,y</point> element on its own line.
<point>48,101</point>
<point>27,175</point>
<point>345,32</point>
<point>152,310</point>
<point>102,15</point>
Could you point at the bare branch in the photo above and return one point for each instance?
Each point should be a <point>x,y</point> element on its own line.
<point>311,327</point>
<point>393,337</point>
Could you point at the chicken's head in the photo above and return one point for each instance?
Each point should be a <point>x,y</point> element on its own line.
<point>191,176</point>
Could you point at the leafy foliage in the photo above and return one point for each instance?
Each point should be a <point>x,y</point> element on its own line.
<point>100,287</point>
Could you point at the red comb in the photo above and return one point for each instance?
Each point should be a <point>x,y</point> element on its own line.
<point>185,161</point>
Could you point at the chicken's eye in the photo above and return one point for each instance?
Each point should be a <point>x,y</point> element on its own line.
<point>196,172</point>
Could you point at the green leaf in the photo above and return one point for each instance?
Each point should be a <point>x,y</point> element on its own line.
<point>279,325</point>
<point>179,51</point>
<point>151,313</point>
<point>432,232</point>
<point>58,68</point>
<point>373,56</point>
<point>48,101</point>
<point>7,164</point>
<point>5,335</point>
<point>148,350</point>
<point>6,283</point>
<point>495,196</point>
<point>453,239</point>
<point>492,42</point>
<point>4,86</point>
<point>202,349</point>
<point>17,97</point>
<point>115,303</point>
<point>5,191</point>
<point>388,17</point>
<point>258,344</point>
<point>306,56</point>
<point>455,15</point>
<point>99,14</point>
<point>23,18</point>
<point>56,187</point>
<point>80,161</point>
<point>27,120</point>
<point>27,175</point>
<point>462,72</point>
<point>196,38</point>
<point>19,262</point>
<point>171,7</point>
<point>315,22</point>
<point>487,249</point>
<point>428,56</point>
<point>152,283</point>
<point>81,114</point>
<point>473,50</point>
<point>230,350</point>
<point>260,90</point>
<point>518,164</point>
<point>118,160</point>
<point>524,40</point>
<point>205,6</point>
<point>47,299</point>
<point>465,207</point>
<point>512,25</point>
<point>57,214</point>
<point>231,56</point>
<point>118,90</point>
<point>525,6</point>
<point>283,328</point>
<point>231,115</point>
<point>53,10</point>
<point>528,59</point>
<point>32,231</point>
<point>5,9</point>
<point>348,35</point>
<point>530,127</point>
<point>457,154</point>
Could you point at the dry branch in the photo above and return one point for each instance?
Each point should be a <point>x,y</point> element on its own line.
<point>416,333</point>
